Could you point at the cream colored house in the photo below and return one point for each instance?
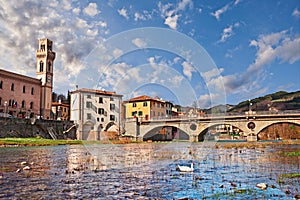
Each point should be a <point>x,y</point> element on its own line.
<point>97,113</point>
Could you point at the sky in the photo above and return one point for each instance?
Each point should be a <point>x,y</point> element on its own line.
<point>185,51</point>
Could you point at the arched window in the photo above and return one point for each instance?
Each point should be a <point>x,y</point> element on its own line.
<point>31,105</point>
<point>32,90</point>
<point>12,87</point>
<point>23,104</point>
<point>24,89</point>
<point>41,66</point>
<point>1,83</point>
<point>49,66</point>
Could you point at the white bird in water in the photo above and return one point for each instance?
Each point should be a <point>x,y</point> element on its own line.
<point>184,168</point>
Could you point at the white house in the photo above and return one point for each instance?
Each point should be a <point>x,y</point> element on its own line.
<point>96,113</point>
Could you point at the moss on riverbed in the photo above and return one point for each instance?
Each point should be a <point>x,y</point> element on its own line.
<point>35,142</point>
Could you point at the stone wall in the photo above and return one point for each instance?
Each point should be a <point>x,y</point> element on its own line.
<point>23,128</point>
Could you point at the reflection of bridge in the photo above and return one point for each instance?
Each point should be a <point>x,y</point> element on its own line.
<point>251,125</point>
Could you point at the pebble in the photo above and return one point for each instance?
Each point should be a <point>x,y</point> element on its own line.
<point>26,168</point>
<point>23,163</point>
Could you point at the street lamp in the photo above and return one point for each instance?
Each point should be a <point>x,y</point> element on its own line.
<point>5,109</point>
<point>250,104</point>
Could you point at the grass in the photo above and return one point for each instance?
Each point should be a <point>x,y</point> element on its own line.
<point>293,153</point>
<point>35,142</point>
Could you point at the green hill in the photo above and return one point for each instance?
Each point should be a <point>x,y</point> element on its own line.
<point>279,101</point>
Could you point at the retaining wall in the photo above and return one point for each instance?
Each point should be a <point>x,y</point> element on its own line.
<point>24,128</point>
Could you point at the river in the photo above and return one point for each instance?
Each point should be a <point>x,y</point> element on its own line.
<point>148,171</point>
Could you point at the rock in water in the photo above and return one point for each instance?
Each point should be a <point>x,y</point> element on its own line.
<point>262,186</point>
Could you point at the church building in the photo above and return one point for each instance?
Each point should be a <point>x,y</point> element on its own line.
<point>24,96</point>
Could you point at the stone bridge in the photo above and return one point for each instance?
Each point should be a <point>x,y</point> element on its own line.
<point>251,125</point>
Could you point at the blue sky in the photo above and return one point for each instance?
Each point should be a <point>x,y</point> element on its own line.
<point>184,51</point>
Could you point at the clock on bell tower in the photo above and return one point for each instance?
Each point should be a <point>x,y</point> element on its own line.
<point>44,71</point>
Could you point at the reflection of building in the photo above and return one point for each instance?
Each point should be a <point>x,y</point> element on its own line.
<point>97,113</point>
<point>24,96</point>
<point>60,111</point>
<point>146,108</point>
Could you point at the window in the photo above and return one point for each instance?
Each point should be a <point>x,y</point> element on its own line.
<point>111,99</point>
<point>89,96</point>
<point>1,83</point>
<point>100,111</point>
<point>24,89</point>
<point>41,66</point>
<point>88,116</point>
<point>102,119</point>
<point>88,104</point>
<point>31,105</point>
<point>49,66</point>
<point>23,104</point>
<point>32,91</point>
<point>145,104</point>
<point>100,100</point>
<point>9,102</point>
<point>42,47</point>
<point>133,113</point>
<point>12,87</point>
<point>97,119</point>
<point>112,106</point>
<point>134,105</point>
<point>0,101</point>
<point>140,113</point>
<point>112,118</point>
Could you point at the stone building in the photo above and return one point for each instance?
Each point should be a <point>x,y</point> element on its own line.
<point>24,96</point>
<point>97,113</point>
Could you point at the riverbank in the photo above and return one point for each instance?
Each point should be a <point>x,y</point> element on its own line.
<point>258,144</point>
<point>7,142</point>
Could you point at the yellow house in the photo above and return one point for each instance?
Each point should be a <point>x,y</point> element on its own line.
<point>146,107</point>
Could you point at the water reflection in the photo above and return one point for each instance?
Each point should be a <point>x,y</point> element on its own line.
<point>147,171</point>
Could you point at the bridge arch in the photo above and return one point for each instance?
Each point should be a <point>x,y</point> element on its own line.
<point>280,130</point>
<point>165,132</point>
<point>217,129</point>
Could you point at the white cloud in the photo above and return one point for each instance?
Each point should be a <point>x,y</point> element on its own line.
<point>171,21</point>
<point>276,45</point>
<point>170,12</point>
<point>142,16</point>
<point>215,72</point>
<point>91,10</point>
<point>184,3</point>
<point>228,32</point>
<point>188,69</point>
<point>123,12</point>
<point>76,11</point>
<point>217,13</point>
<point>296,13</point>
<point>73,38</point>
<point>139,42</point>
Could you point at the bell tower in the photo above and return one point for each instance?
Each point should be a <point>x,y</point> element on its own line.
<point>44,71</point>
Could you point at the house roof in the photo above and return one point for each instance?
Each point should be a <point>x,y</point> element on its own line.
<point>85,90</point>
<point>144,98</point>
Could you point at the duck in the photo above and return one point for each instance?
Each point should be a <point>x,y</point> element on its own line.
<point>184,168</point>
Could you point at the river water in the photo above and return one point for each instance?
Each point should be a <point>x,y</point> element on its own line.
<point>148,171</point>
